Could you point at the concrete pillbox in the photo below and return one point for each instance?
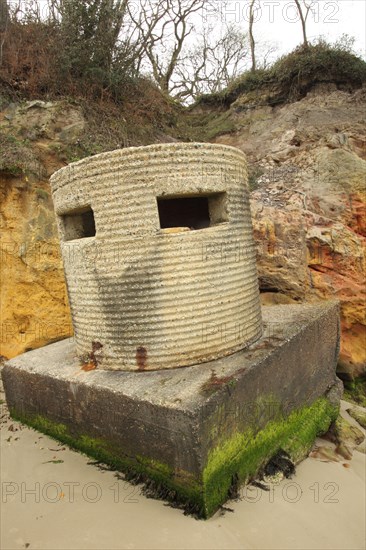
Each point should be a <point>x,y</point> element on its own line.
<point>197,433</point>
<point>158,255</point>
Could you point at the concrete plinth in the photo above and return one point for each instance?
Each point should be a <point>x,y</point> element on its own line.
<point>200,431</point>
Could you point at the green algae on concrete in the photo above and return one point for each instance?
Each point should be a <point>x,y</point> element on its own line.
<point>241,457</point>
<point>180,487</point>
<point>236,460</point>
<point>140,468</point>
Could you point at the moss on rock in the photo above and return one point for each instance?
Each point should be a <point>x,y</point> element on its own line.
<point>359,415</point>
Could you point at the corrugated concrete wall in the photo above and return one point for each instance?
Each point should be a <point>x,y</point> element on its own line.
<point>143,293</point>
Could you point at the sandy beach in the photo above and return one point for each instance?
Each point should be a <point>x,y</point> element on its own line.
<point>53,497</point>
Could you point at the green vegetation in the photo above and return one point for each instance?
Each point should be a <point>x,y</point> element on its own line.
<point>238,458</point>
<point>42,194</point>
<point>124,108</point>
<point>180,487</point>
<point>355,391</point>
<point>110,126</point>
<point>244,454</point>
<point>78,55</point>
<point>359,415</point>
<point>293,75</point>
<point>201,127</point>
<point>77,51</point>
<point>254,173</point>
<point>16,158</point>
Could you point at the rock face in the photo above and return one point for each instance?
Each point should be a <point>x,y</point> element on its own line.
<point>33,294</point>
<point>308,205</point>
<point>40,121</point>
<point>34,308</point>
<point>308,184</point>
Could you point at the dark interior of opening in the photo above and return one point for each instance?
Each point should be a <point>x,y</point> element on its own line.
<point>79,224</point>
<point>193,212</point>
<point>189,212</point>
<point>88,223</point>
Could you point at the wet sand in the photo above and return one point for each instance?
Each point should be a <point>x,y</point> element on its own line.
<point>53,497</point>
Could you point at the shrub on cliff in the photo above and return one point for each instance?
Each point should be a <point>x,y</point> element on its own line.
<point>77,58</point>
<point>293,75</point>
<point>297,72</point>
<point>16,158</point>
<point>40,59</point>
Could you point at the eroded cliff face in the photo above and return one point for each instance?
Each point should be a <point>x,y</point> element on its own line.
<point>308,179</point>
<point>308,204</point>
<point>33,294</point>
<point>34,307</point>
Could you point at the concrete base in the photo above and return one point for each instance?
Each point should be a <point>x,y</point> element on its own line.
<point>197,432</point>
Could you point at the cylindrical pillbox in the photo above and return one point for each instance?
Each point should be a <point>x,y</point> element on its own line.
<point>158,254</point>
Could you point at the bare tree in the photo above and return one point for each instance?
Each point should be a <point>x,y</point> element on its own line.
<point>265,54</point>
<point>261,55</point>
<point>162,28</point>
<point>211,64</point>
<point>251,35</point>
<point>54,9</point>
<point>4,21</point>
<point>25,11</point>
<point>4,15</point>
<point>304,7</point>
